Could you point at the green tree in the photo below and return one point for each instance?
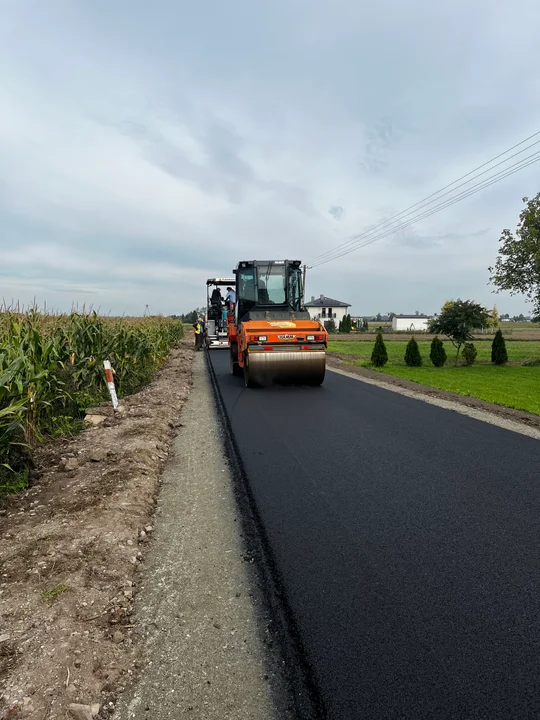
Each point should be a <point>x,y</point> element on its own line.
<point>499,355</point>
<point>330,326</point>
<point>517,268</point>
<point>340,326</point>
<point>412,354</point>
<point>457,320</point>
<point>379,356</point>
<point>346,324</point>
<point>493,319</point>
<point>192,316</point>
<point>437,354</point>
<point>446,305</point>
<point>469,353</point>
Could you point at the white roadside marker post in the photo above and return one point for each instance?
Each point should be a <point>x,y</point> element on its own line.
<point>110,382</point>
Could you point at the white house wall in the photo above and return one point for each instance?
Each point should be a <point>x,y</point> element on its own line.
<point>410,324</point>
<point>337,314</point>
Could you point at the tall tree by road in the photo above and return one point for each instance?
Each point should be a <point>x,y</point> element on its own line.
<point>517,268</point>
<point>457,320</point>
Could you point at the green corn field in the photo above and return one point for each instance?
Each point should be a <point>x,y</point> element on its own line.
<point>51,371</point>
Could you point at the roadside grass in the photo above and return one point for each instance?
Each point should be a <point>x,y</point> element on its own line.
<point>53,593</point>
<point>512,386</point>
<point>511,331</point>
<point>518,351</point>
<point>12,482</point>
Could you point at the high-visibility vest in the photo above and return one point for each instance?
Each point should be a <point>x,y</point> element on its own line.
<point>197,329</point>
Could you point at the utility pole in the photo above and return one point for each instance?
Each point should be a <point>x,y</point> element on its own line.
<point>304,284</point>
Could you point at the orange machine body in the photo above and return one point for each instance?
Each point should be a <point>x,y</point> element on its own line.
<point>277,345</point>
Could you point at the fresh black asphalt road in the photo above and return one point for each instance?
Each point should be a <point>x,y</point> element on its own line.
<point>407,538</point>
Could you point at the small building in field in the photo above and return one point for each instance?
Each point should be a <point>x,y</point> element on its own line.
<point>324,308</point>
<point>410,323</point>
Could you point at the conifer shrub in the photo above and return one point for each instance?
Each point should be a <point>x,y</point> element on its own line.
<point>437,354</point>
<point>412,354</point>
<point>469,353</point>
<point>499,355</point>
<point>379,356</point>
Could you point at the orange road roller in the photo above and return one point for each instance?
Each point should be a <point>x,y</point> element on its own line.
<point>272,339</point>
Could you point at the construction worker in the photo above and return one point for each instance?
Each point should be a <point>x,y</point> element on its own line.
<point>198,332</point>
<point>203,330</point>
<point>230,297</point>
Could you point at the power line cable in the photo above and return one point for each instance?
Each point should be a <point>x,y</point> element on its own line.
<point>506,172</point>
<point>353,239</point>
<point>471,191</point>
<point>419,205</point>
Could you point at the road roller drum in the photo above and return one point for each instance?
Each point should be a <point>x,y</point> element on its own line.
<point>277,367</point>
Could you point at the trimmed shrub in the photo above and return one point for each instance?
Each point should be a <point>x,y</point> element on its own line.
<point>379,356</point>
<point>469,353</point>
<point>412,354</point>
<point>330,326</point>
<point>499,356</point>
<point>437,354</point>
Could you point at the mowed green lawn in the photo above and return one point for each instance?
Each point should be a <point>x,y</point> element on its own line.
<point>361,350</point>
<point>514,386</point>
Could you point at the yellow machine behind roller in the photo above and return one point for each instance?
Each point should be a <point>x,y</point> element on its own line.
<point>272,338</point>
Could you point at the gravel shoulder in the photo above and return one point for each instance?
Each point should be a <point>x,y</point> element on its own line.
<point>515,420</point>
<point>201,620</point>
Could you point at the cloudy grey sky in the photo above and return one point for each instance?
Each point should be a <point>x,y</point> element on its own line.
<point>147,146</point>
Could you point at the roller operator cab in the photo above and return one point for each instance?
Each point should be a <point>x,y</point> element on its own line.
<point>272,338</point>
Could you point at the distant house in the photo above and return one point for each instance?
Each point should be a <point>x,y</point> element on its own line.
<point>410,323</point>
<point>324,308</point>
